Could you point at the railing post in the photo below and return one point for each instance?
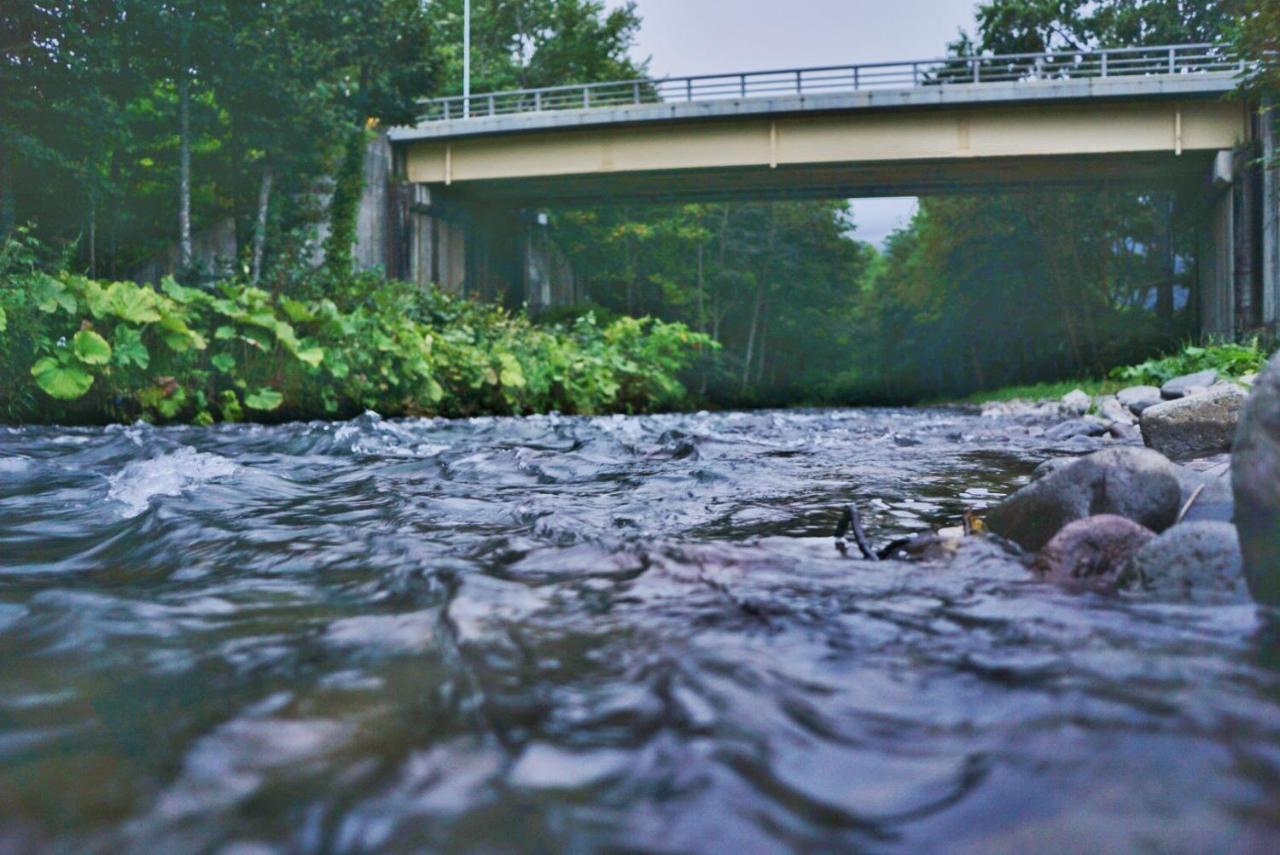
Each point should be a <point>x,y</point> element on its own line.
<point>446,110</point>
<point>688,89</point>
<point>799,83</point>
<point>1106,55</point>
<point>1173,62</point>
<point>742,84</point>
<point>635,91</point>
<point>915,74</point>
<point>537,102</point>
<point>586,98</point>
<point>857,84</point>
<point>977,71</point>
<point>491,106</point>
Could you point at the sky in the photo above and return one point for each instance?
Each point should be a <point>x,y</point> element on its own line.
<point>681,37</point>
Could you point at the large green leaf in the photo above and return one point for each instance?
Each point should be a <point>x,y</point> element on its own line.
<point>51,295</point>
<point>127,347</point>
<point>91,348</point>
<point>64,382</point>
<point>224,362</point>
<point>263,399</point>
<point>132,303</point>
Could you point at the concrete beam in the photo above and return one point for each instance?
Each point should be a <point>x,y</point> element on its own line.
<point>1270,217</point>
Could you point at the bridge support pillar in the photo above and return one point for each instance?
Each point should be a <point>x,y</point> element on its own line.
<point>1237,236</point>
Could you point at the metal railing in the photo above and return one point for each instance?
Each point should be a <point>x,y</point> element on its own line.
<point>1061,65</point>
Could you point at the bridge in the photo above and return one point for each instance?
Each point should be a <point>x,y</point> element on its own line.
<point>1140,118</point>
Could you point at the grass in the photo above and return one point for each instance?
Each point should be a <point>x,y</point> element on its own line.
<point>1228,359</point>
<point>1043,391</point>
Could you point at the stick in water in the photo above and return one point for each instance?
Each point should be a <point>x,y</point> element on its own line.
<point>852,521</point>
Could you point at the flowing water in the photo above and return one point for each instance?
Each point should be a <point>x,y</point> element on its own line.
<point>580,635</point>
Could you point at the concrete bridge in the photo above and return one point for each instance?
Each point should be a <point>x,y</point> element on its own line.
<point>1147,119</point>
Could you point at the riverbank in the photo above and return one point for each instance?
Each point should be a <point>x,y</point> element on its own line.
<point>77,351</point>
<point>1229,361</point>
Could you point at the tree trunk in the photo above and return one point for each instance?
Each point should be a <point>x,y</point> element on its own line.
<point>1163,252</point>
<point>185,251</point>
<point>8,206</point>
<point>260,224</point>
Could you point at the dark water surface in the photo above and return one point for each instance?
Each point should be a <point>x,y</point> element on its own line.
<point>615,634</point>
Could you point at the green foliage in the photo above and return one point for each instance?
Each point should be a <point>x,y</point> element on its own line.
<point>118,351</point>
<point>1229,360</point>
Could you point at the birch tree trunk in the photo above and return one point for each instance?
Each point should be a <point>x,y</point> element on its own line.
<point>260,224</point>
<point>185,251</point>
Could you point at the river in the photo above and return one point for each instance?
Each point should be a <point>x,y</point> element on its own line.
<point>592,634</point>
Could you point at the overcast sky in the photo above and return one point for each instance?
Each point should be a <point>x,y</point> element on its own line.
<point>707,36</point>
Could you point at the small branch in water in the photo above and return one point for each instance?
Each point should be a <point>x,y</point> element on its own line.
<point>851,521</point>
<point>1195,494</point>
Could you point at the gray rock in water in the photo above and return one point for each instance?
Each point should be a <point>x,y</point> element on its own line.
<point>1076,427</point>
<point>1192,560</point>
<point>1092,553</point>
<point>1112,410</point>
<point>1179,387</point>
<point>1138,398</point>
<point>1255,475</point>
<point>1194,426</point>
<point>1053,464</point>
<point>1135,483</point>
<point>1076,403</point>
<point>1209,496</point>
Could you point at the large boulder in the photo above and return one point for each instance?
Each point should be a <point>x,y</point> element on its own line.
<point>1194,426</point>
<point>1138,398</point>
<point>1111,410</point>
<point>1135,483</point>
<point>1255,475</point>
<point>1191,561</point>
<point>1180,387</point>
<point>1093,553</point>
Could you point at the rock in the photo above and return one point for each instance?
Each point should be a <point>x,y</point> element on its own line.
<point>1076,403</point>
<point>1092,553</point>
<point>1255,476</point>
<point>1194,426</point>
<point>1191,561</point>
<point>1122,431</point>
<point>1053,464</point>
<point>1074,428</point>
<point>1247,379</point>
<point>1209,495</point>
<point>1020,408</point>
<point>1110,409</point>
<point>1138,398</point>
<point>1135,483</point>
<point>1179,386</point>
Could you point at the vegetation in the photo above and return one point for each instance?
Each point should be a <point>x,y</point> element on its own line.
<point>1228,359</point>
<point>74,349</point>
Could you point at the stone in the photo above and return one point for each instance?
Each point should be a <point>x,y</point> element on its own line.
<point>1110,409</point>
<point>1053,464</point>
<point>1074,428</point>
<point>1247,379</point>
<point>1194,426</point>
<point>1076,403</point>
<point>1209,495</point>
<point>1255,476</point>
<point>1135,483</point>
<point>1191,561</point>
<point>1179,386</point>
<point>1138,398</point>
<point>1123,431</point>
<point>1092,553</point>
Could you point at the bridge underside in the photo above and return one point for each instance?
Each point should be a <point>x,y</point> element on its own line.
<point>1143,171</point>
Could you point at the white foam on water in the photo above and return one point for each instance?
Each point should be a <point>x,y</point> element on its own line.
<point>167,475</point>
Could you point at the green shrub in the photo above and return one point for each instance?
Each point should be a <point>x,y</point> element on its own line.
<point>74,349</point>
<point>1229,360</point>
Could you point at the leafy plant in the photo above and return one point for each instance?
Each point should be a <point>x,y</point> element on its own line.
<point>1229,360</point>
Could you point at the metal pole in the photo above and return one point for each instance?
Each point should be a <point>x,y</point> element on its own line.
<point>466,58</point>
